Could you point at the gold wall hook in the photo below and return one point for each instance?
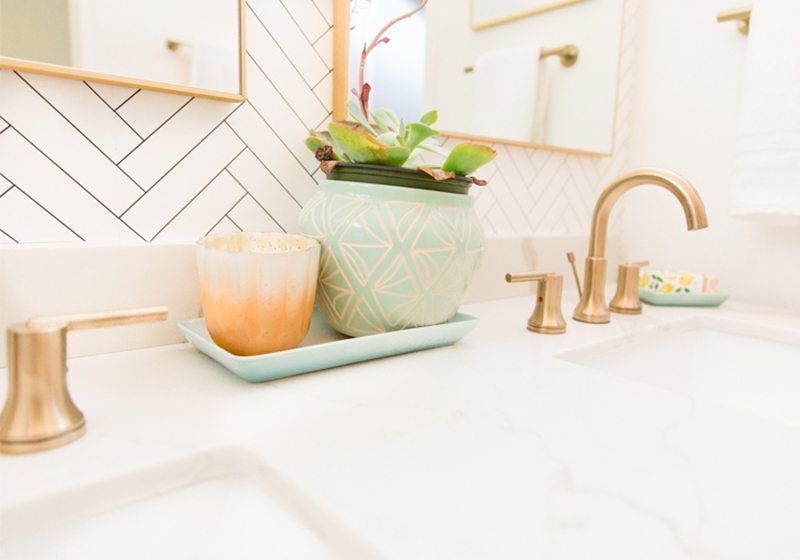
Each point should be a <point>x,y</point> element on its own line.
<point>626,300</point>
<point>568,54</point>
<point>740,15</point>
<point>39,412</point>
<point>546,317</point>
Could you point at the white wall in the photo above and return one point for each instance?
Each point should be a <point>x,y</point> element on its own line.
<point>685,118</point>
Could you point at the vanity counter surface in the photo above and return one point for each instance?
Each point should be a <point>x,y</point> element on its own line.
<point>496,447</point>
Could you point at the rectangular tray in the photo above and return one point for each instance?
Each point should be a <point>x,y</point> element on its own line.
<point>325,348</point>
<point>713,299</point>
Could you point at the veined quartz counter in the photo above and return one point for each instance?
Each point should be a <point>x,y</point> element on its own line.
<point>507,445</point>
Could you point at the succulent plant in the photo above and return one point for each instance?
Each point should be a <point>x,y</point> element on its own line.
<point>380,137</point>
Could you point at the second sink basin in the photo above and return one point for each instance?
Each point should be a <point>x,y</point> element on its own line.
<point>745,366</point>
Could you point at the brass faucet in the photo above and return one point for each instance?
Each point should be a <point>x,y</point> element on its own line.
<point>39,413</point>
<point>592,307</point>
<point>546,317</point>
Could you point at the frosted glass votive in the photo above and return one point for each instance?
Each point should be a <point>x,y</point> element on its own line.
<point>257,289</point>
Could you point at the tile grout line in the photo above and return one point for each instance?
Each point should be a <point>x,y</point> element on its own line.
<point>79,131</point>
<point>280,225</point>
<point>178,213</point>
<point>112,109</point>
<point>37,203</point>
<point>265,166</point>
<point>146,138</point>
<point>64,171</point>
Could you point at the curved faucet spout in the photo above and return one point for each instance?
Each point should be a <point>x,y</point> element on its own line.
<point>592,307</point>
<point>683,190</point>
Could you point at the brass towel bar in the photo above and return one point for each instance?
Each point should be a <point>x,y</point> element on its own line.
<point>568,54</point>
<point>740,15</point>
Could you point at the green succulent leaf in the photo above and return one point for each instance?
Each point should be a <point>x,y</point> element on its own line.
<point>398,155</point>
<point>416,133</point>
<point>389,139</point>
<point>358,115</point>
<point>430,118</point>
<point>314,142</point>
<point>386,120</point>
<point>358,145</point>
<point>467,157</point>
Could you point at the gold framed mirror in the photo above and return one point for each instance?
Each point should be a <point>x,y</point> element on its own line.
<point>548,81</point>
<point>188,47</point>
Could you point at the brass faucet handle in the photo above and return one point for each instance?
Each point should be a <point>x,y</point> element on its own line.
<point>547,317</point>
<point>626,300</point>
<point>39,413</point>
<point>100,319</point>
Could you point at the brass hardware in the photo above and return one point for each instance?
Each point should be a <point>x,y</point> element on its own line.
<point>568,54</point>
<point>626,300</point>
<point>39,413</point>
<point>522,14</point>
<point>740,15</point>
<point>174,45</point>
<point>571,259</point>
<point>547,317</point>
<point>592,307</point>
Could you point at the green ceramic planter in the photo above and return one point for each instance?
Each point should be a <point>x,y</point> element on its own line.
<point>393,257</point>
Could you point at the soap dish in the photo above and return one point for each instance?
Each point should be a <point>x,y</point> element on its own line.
<point>325,348</point>
<point>714,299</point>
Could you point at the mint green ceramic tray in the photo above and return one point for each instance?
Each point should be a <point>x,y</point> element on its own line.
<point>682,300</point>
<point>325,348</point>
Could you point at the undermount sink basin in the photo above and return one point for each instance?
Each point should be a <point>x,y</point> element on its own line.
<point>740,365</point>
<point>216,505</point>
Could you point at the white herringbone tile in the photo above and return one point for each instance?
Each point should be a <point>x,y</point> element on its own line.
<point>167,145</point>
<point>275,19</point>
<point>37,121</point>
<point>269,104</point>
<point>147,110</point>
<point>250,216</point>
<point>225,225</point>
<point>266,190</point>
<point>204,211</point>
<point>82,155</point>
<point>113,95</point>
<point>40,179</point>
<point>272,153</point>
<point>154,210</point>
<point>87,112</point>
<point>272,61</point>
<point>26,222</point>
<point>309,19</point>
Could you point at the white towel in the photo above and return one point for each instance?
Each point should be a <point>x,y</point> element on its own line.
<point>504,93</point>
<point>766,178</point>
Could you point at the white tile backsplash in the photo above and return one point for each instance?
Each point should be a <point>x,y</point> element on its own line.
<point>103,163</point>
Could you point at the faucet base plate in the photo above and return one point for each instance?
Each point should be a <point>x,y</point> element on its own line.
<point>547,330</point>
<point>594,319</point>
<point>626,310</point>
<point>32,446</point>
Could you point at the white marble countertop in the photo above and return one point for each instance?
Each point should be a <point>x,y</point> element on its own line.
<point>492,448</point>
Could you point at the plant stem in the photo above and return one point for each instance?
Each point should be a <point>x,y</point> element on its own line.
<point>379,38</point>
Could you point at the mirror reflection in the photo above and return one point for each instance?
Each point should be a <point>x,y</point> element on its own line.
<point>534,73</point>
<point>186,43</point>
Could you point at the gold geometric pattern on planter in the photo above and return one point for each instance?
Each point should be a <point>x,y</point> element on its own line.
<point>392,258</point>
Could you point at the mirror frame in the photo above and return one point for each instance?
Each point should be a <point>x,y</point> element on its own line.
<point>341,87</point>
<point>57,70</point>
<point>554,5</point>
